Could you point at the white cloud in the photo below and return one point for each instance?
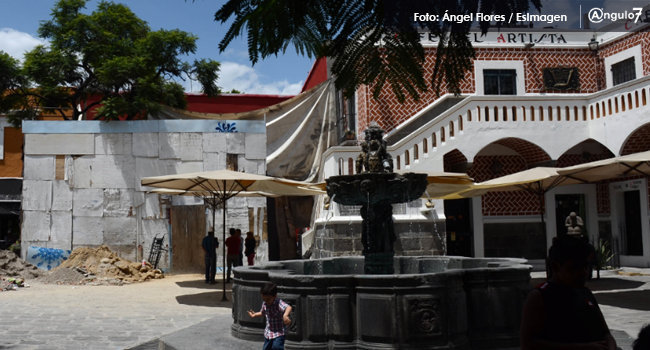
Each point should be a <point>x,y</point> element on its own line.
<point>243,78</point>
<point>16,43</point>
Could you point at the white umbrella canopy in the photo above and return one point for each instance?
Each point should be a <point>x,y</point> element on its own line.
<point>536,180</point>
<point>636,164</point>
<point>216,187</point>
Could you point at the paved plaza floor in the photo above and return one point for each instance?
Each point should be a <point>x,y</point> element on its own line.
<point>182,312</point>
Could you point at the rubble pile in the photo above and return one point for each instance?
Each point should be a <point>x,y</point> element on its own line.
<point>100,266</point>
<point>13,266</point>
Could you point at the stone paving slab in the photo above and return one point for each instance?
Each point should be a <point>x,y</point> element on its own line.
<point>105,317</point>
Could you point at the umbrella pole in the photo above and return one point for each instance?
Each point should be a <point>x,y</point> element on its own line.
<point>223,250</point>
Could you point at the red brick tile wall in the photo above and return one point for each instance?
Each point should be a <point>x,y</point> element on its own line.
<point>362,110</point>
<point>634,39</point>
<point>602,198</point>
<point>639,141</point>
<point>389,113</point>
<point>454,161</point>
<point>566,159</point>
<point>503,203</point>
<point>529,151</point>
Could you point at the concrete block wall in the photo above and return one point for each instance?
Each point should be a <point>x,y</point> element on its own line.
<point>82,180</point>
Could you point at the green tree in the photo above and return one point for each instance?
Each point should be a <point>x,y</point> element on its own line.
<point>110,60</point>
<point>371,42</point>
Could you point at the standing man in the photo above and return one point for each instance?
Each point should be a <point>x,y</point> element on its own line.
<point>210,244</point>
<point>233,246</point>
<point>240,261</point>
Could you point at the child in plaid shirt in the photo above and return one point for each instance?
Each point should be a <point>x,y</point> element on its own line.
<point>277,316</point>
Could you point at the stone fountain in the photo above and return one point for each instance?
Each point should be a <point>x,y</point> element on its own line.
<point>376,188</point>
<point>382,301</point>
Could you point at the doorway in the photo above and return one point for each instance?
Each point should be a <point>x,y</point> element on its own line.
<point>188,230</point>
<point>565,204</point>
<point>631,223</point>
<point>460,237</point>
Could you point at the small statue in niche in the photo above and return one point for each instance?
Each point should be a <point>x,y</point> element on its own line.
<point>574,224</point>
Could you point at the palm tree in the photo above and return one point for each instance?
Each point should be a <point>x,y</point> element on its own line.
<point>371,42</point>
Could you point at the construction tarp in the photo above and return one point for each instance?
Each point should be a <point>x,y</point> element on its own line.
<point>299,133</point>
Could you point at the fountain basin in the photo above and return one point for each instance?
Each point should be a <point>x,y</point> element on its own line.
<point>431,302</point>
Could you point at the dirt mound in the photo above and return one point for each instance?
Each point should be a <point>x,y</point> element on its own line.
<point>99,266</point>
<point>13,266</point>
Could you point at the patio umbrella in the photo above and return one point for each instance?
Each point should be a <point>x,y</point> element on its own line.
<point>216,187</point>
<point>629,165</point>
<point>444,185</point>
<point>537,181</point>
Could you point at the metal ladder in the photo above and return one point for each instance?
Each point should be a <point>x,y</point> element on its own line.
<point>154,253</point>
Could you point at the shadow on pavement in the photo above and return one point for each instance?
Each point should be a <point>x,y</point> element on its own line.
<point>602,284</point>
<point>200,283</point>
<point>631,299</point>
<point>612,283</point>
<point>211,299</point>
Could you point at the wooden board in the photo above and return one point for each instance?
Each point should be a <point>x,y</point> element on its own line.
<point>188,230</point>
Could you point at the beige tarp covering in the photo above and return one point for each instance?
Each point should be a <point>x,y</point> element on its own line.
<point>299,133</point>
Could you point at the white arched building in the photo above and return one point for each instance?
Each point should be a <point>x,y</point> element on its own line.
<point>532,99</point>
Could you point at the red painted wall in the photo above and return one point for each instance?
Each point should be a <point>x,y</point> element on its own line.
<point>231,103</point>
<point>317,74</point>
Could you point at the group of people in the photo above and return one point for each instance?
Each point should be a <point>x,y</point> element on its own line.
<point>236,248</point>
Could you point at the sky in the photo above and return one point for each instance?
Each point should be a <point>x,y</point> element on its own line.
<point>281,75</point>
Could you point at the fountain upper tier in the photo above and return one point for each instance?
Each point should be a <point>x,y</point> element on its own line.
<point>376,188</point>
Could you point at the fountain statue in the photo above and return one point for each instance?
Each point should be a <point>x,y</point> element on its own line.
<point>383,301</point>
<point>376,188</point>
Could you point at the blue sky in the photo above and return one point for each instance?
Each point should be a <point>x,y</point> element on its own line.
<point>285,74</point>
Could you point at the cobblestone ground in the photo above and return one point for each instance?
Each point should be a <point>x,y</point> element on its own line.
<point>104,317</point>
<point>111,317</point>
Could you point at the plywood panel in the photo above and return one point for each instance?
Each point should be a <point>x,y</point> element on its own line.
<point>188,230</point>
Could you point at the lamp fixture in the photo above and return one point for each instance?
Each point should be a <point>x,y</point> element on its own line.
<point>593,44</point>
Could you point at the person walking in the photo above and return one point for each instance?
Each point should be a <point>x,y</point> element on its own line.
<point>250,244</point>
<point>210,244</point>
<point>277,314</point>
<point>233,247</point>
